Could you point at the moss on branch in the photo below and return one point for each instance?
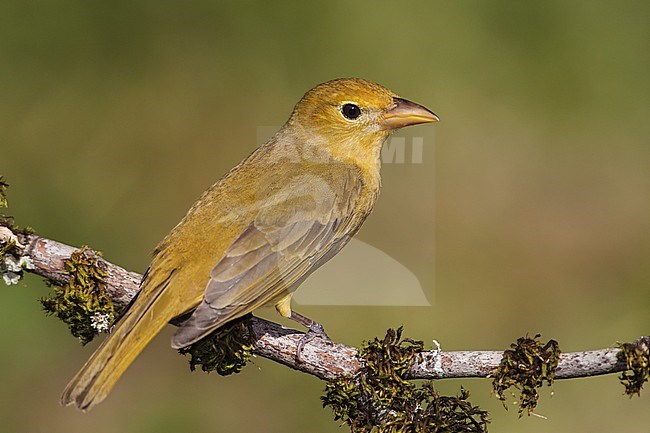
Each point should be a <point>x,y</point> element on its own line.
<point>526,366</point>
<point>637,357</point>
<point>379,399</point>
<point>226,350</point>
<point>82,303</point>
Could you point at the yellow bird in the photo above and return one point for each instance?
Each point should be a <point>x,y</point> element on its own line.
<point>255,235</point>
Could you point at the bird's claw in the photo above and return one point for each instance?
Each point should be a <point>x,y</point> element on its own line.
<point>316,330</point>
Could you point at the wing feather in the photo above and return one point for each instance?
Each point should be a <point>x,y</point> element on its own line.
<point>288,240</point>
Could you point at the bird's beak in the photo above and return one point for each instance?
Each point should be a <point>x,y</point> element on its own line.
<point>405,113</point>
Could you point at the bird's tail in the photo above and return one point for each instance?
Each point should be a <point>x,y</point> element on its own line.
<point>129,337</point>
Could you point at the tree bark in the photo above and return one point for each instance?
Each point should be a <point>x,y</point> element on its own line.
<point>320,358</point>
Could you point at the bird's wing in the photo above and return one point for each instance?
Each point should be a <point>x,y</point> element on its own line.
<point>299,227</point>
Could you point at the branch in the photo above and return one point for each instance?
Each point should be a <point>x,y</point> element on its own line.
<point>320,358</point>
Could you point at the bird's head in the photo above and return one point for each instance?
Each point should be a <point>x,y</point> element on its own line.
<point>352,117</point>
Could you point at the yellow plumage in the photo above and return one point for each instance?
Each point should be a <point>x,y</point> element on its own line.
<point>255,235</point>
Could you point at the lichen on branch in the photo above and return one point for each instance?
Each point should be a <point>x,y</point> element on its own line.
<point>12,262</point>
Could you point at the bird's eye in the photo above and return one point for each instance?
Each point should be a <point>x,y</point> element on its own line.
<point>351,111</point>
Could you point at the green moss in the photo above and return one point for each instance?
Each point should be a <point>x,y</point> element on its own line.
<point>637,357</point>
<point>226,350</point>
<point>6,248</point>
<point>82,303</point>
<point>526,366</point>
<point>7,220</point>
<point>379,399</point>
<point>3,192</point>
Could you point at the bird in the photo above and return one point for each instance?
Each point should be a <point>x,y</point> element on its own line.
<point>255,235</point>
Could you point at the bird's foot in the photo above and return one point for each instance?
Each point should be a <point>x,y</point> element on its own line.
<point>315,330</point>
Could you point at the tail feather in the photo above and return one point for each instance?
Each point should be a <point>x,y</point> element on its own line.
<point>132,333</point>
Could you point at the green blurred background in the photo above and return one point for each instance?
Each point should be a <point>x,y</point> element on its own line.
<point>535,196</point>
